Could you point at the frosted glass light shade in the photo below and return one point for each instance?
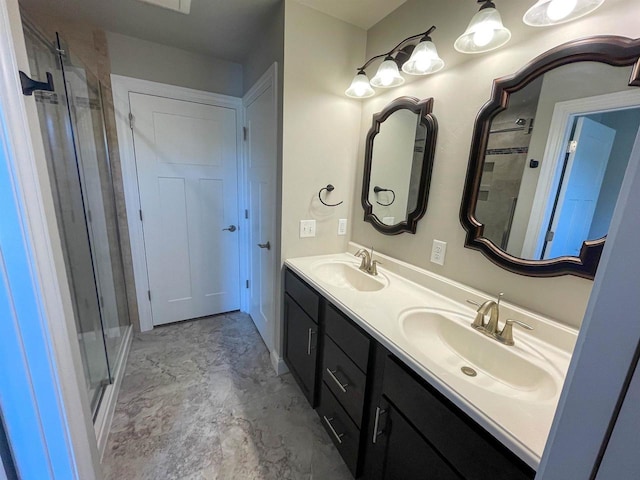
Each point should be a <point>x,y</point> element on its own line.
<point>424,60</point>
<point>387,75</point>
<point>553,12</point>
<point>485,32</point>
<point>360,87</point>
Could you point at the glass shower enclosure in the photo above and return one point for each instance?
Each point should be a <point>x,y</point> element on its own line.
<point>72,123</point>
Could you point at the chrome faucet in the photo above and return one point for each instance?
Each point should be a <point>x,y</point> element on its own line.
<point>368,265</point>
<point>492,308</point>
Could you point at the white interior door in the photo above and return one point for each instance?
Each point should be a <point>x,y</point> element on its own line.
<point>261,145</point>
<point>580,190</point>
<point>186,160</point>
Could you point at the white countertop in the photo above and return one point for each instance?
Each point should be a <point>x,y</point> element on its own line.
<point>521,424</point>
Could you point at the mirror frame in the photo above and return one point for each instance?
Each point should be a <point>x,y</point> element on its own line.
<point>423,109</point>
<point>612,50</point>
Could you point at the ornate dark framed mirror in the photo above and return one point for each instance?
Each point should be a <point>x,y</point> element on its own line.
<point>398,162</point>
<point>548,156</point>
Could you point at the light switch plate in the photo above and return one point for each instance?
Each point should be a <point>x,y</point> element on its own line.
<point>389,220</point>
<point>307,228</point>
<point>438,251</point>
<point>342,226</point>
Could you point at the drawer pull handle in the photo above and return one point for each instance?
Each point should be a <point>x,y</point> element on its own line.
<point>311,332</point>
<point>376,423</point>
<point>341,386</point>
<point>333,430</point>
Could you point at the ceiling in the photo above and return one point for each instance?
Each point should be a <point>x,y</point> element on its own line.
<point>223,29</point>
<point>361,13</point>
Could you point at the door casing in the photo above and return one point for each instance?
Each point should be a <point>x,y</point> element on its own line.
<point>121,87</point>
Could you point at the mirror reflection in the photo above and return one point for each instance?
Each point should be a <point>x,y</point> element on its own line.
<point>555,160</point>
<point>396,166</point>
<point>398,162</point>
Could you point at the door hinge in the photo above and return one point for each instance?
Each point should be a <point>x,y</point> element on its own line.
<point>245,131</point>
<point>549,236</point>
<point>140,212</point>
<point>131,120</point>
<point>246,213</point>
<point>247,284</point>
<point>149,294</point>
<point>573,146</point>
<point>89,217</point>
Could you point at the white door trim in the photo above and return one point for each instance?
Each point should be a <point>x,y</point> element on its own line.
<point>556,143</point>
<point>268,79</point>
<point>121,87</point>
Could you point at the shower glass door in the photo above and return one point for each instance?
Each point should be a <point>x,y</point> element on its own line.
<point>71,119</point>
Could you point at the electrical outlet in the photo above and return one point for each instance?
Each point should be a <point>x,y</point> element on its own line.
<point>307,228</point>
<point>342,226</point>
<point>438,251</point>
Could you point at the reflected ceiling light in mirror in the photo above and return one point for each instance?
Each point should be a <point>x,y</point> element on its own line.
<point>485,31</point>
<point>554,12</point>
<point>388,74</point>
<point>422,59</point>
<point>360,87</point>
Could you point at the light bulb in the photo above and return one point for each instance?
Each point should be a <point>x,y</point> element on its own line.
<point>483,35</point>
<point>559,9</point>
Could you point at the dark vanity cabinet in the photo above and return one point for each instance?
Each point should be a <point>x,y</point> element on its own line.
<point>386,421</point>
<point>345,363</point>
<point>301,334</point>
<point>418,433</point>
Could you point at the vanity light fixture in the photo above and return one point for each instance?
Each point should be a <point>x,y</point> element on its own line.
<point>422,59</point>
<point>485,31</point>
<point>553,12</point>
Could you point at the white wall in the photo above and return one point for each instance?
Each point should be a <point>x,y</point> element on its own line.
<point>146,60</point>
<point>320,126</point>
<point>460,91</point>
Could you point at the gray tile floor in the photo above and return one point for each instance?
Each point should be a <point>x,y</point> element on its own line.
<point>200,400</point>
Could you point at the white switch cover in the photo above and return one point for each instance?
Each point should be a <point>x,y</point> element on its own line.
<point>389,220</point>
<point>307,228</point>
<point>438,252</point>
<point>342,226</point>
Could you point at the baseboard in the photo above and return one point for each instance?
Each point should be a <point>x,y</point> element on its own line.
<point>278,363</point>
<point>102,424</point>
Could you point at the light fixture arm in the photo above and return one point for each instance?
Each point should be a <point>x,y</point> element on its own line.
<point>397,48</point>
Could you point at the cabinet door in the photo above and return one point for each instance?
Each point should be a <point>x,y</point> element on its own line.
<point>300,347</point>
<point>403,454</point>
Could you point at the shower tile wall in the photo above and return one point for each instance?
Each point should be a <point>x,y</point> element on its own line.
<point>504,164</point>
<point>89,44</point>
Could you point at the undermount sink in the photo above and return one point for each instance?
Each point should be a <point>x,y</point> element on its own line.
<point>349,276</point>
<point>448,339</point>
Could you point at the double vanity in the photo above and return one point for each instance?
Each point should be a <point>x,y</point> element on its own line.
<point>404,384</point>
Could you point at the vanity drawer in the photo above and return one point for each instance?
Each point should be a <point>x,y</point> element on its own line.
<point>344,379</point>
<point>475,453</point>
<point>343,432</point>
<point>304,295</point>
<point>347,336</point>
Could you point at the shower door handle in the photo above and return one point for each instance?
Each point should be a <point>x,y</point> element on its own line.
<point>265,245</point>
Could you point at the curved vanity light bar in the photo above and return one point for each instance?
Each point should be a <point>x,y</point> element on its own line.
<point>420,59</point>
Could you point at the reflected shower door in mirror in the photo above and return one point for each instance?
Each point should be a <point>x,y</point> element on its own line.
<point>398,165</point>
<point>549,155</point>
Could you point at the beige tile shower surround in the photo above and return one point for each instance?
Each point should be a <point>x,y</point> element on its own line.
<point>89,44</point>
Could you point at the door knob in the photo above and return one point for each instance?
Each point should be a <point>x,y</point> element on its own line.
<point>231,228</point>
<point>265,245</point>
